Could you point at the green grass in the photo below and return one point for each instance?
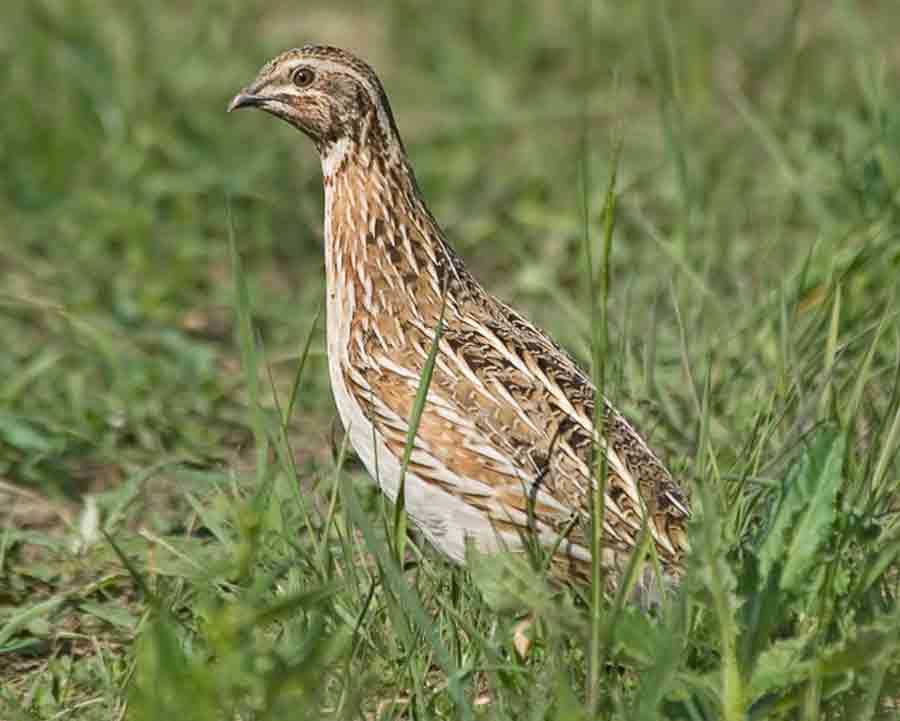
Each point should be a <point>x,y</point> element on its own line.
<point>151,387</point>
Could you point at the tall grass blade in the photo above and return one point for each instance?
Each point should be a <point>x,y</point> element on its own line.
<point>413,608</point>
<point>863,376</point>
<point>415,418</point>
<point>599,353</point>
<point>281,438</point>
<point>249,357</point>
<point>301,366</point>
<point>831,347</point>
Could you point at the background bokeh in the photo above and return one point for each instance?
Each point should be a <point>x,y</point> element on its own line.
<point>758,182</point>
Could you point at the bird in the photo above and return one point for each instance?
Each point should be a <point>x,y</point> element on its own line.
<point>505,447</point>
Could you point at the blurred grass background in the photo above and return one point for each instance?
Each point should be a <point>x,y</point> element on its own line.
<point>754,299</point>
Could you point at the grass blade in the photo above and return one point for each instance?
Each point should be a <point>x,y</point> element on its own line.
<point>415,418</point>
<point>411,604</point>
<point>249,357</point>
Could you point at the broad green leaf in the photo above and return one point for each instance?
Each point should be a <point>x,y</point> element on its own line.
<point>779,666</point>
<point>805,512</point>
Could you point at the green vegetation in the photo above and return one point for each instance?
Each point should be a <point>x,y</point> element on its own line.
<point>182,535</point>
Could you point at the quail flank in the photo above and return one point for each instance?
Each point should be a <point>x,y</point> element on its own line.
<point>505,442</point>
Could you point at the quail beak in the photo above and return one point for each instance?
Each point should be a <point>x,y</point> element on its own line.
<point>245,99</point>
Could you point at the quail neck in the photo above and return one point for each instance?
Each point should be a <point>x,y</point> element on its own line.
<point>506,441</point>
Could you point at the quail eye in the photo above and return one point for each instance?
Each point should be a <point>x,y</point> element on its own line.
<point>302,77</point>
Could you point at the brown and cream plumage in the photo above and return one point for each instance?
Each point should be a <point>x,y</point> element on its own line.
<point>508,420</point>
